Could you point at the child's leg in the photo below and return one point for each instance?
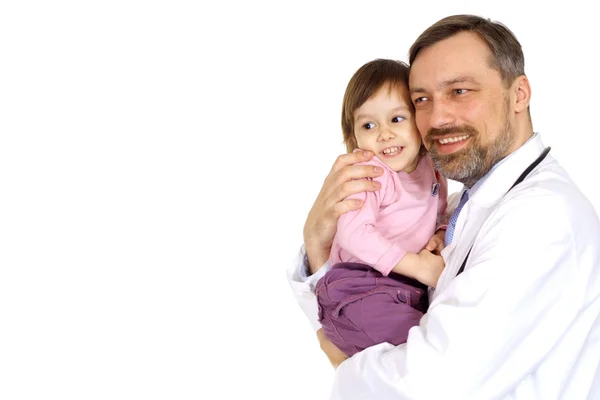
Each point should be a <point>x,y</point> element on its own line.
<point>359,307</point>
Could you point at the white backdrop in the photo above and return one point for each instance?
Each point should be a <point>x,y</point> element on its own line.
<point>157,161</point>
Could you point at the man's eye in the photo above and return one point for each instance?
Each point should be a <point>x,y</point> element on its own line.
<point>369,125</point>
<point>398,119</point>
<point>460,91</point>
<point>419,100</point>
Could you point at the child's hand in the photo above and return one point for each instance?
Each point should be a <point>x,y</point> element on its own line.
<point>430,268</point>
<point>436,243</point>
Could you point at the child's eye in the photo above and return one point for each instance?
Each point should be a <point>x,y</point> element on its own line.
<point>398,119</point>
<point>369,125</point>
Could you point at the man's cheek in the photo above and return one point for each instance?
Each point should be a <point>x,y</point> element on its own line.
<point>420,120</point>
<point>423,129</point>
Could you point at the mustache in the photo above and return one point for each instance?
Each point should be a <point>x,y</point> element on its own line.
<point>464,129</point>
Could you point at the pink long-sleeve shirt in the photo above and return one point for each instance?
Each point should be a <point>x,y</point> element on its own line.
<point>398,218</point>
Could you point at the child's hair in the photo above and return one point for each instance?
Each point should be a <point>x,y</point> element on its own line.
<point>365,83</point>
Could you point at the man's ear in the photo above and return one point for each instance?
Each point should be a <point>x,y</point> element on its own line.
<point>522,90</point>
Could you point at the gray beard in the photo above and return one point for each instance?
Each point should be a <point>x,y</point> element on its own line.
<point>473,163</point>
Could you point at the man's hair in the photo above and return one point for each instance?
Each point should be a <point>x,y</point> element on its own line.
<point>507,54</point>
<point>365,82</point>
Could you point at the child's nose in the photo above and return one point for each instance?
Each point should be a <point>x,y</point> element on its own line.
<point>386,134</point>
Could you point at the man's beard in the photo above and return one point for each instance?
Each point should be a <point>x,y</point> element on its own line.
<point>471,163</point>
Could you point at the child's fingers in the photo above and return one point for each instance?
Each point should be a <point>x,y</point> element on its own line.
<point>431,245</point>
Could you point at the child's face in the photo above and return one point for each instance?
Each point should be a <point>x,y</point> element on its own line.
<point>385,125</point>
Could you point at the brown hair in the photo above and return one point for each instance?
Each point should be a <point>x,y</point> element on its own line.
<point>365,83</point>
<point>507,54</point>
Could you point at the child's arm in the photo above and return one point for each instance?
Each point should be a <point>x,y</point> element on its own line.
<point>357,235</point>
<point>425,267</point>
<point>356,232</point>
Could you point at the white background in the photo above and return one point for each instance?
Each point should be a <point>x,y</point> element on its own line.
<point>157,161</point>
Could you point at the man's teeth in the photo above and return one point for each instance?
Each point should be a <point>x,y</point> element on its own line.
<point>453,139</point>
<point>391,150</point>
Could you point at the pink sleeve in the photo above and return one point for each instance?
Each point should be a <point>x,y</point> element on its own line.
<point>357,235</point>
<point>443,217</point>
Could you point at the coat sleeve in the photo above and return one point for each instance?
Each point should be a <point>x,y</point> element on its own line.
<point>303,286</point>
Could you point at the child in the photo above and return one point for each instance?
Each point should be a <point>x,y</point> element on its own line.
<point>371,294</point>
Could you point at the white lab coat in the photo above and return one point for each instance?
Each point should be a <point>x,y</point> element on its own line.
<point>521,322</point>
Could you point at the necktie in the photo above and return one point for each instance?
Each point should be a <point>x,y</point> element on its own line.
<point>452,223</point>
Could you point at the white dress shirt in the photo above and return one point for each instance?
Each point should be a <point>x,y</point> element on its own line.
<point>523,319</point>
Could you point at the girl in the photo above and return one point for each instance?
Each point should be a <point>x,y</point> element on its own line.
<point>376,290</point>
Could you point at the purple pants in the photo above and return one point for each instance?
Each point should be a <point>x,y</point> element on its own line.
<point>359,307</point>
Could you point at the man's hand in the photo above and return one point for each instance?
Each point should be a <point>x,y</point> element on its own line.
<point>335,355</point>
<point>344,179</point>
<point>436,243</point>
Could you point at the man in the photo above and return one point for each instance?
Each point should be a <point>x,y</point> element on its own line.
<point>516,312</point>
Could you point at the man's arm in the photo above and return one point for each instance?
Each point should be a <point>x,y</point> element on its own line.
<point>491,327</point>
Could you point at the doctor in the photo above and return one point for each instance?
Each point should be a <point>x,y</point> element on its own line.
<point>516,312</point>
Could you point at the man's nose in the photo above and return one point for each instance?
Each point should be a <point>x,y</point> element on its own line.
<point>442,114</point>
